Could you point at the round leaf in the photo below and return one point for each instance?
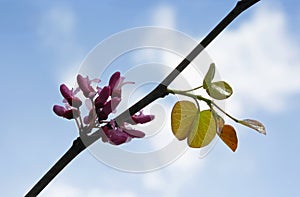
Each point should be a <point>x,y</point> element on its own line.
<point>209,76</point>
<point>219,90</point>
<point>182,118</point>
<point>228,135</point>
<point>203,130</point>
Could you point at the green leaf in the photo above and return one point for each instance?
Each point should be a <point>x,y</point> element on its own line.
<point>219,90</point>
<point>254,124</point>
<point>182,117</point>
<point>209,76</point>
<point>203,130</point>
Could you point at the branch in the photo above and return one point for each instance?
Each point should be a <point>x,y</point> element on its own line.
<point>159,92</point>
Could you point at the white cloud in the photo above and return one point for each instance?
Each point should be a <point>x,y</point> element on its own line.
<point>57,27</point>
<point>260,61</point>
<point>164,16</point>
<point>57,30</point>
<point>65,190</point>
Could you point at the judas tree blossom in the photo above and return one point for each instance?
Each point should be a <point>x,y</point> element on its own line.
<point>69,96</point>
<point>103,96</point>
<point>142,118</point>
<point>65,113</point>
<point>85,86</point>
<point>108,108</point>
<point>101,103</point>
<point>116,82</point>
<point>119,135</point>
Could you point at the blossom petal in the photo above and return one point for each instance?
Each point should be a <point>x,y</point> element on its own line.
<point>142,118</point>
<point>103,96</point>
<point>71,114</point>
<point>134,133</point>
<point>116,135</point>
<point>86,88</point>
<point>66,93</point>
<point>59,110</point>
<point>111,105</point>
<point>114,79</point>
<point>76,102</point>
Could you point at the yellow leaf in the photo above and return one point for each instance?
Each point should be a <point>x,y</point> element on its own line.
<point>228,135</point>
<point>182,118</point>
<point>203,130</point>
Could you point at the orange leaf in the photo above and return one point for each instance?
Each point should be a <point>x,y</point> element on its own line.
<point>228,135</point>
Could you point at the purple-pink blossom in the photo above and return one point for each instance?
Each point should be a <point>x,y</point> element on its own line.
<point>65,113</point>
<point>141,118</point>
<point>116,82</point>
<point>101,102</point>
<point>119,135</point>
<point>85,86</point>
<point>104,93</point>
<point>69,96</point>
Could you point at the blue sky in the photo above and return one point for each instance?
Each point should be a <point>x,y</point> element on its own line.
<point>43,44</point>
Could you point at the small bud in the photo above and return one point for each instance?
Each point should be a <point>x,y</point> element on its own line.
<point>86,88</point>
<point>66,92</point>
<point>59,110</point>
<point>102,98</point>
<point>114,79</point>
<point>69,96</point>
<point>76,102</point>
<point>142,118</point>
<point>71,114</point>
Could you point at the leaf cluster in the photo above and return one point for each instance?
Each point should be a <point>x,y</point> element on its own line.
<point>200,127</point>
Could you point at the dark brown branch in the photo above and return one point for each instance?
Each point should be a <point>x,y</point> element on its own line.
<point>159,92</point>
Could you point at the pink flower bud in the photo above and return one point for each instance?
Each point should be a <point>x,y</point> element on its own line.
<point>65,113</point>
<point>85,86</point>
<point>66,92</point>
<point>114,79</point>
<point>142,118</point>
<point>59,110</point>
<point>115,135</point>
<point>71,114</point>
<point>69,96</point>
<point>76,102</point>
<point>111,105</point>
<point>101,115</point>
<point>102,98</point>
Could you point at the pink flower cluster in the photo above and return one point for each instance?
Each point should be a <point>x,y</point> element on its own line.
<point>101,103</point>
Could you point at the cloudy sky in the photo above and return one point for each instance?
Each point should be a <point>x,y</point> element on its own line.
<point>43,44</point>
